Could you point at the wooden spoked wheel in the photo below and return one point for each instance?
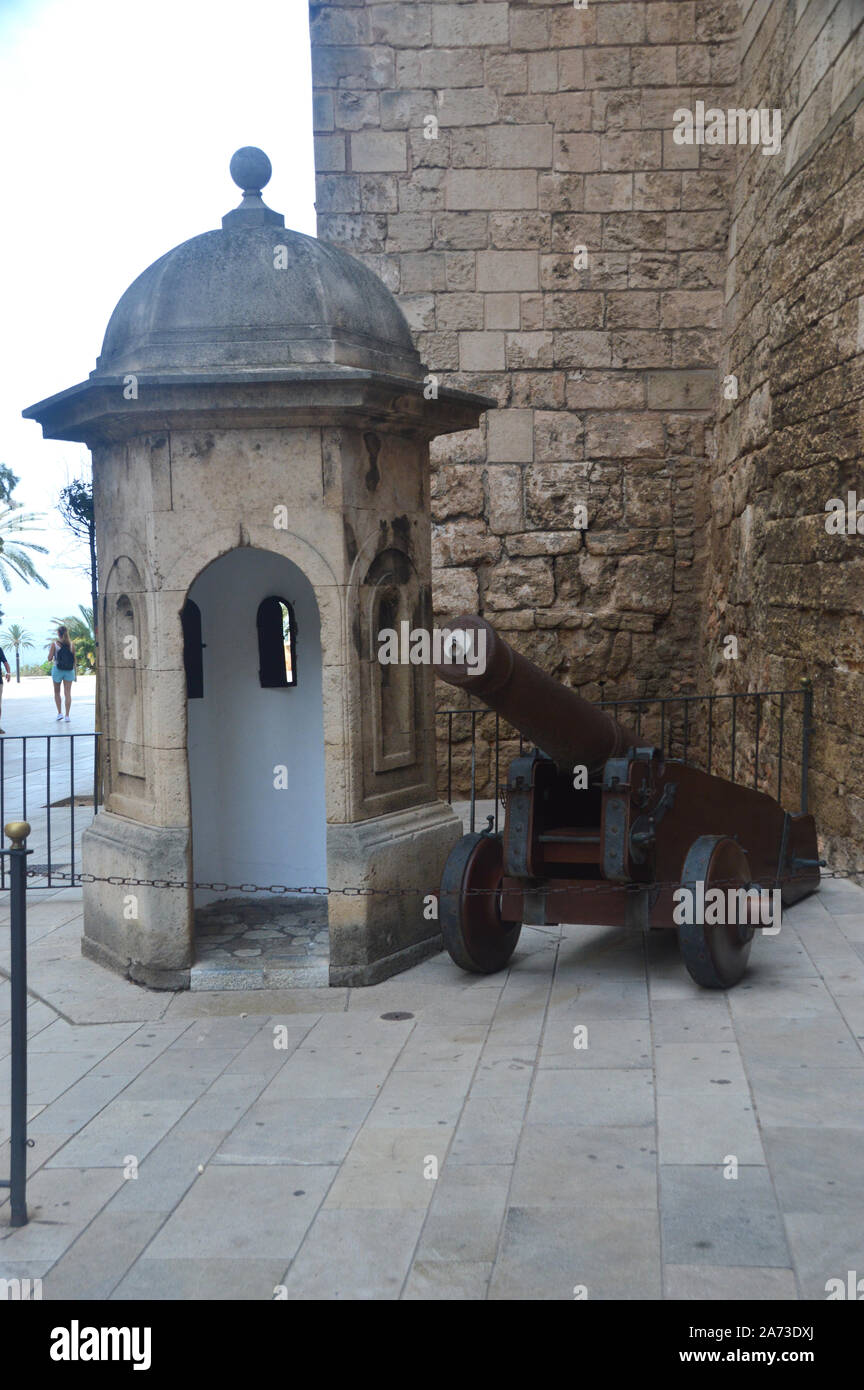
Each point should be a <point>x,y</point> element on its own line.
<point>470,906</point>
<point>716,955</point>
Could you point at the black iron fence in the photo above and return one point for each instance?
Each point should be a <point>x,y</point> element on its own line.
<point>52,781</point>
<point>761,738</point>
<point>758,738</point>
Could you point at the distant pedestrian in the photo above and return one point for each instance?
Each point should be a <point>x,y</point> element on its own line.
<point>3,662</point>
<point>62,654</point>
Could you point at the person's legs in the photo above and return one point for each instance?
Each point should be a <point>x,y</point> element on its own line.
<point>56,685</point>
<point>67,690</point>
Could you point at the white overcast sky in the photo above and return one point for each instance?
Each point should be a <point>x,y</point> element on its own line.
<point>119,120</point>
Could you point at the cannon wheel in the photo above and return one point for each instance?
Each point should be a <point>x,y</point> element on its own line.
<point>716,956</point>
<point>474,933</point>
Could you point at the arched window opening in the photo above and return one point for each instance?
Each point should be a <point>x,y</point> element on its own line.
<point>277,644</point>
<point>193,647</point>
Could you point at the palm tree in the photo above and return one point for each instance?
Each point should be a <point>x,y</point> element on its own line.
<point>13,554</point>
<point>19,640</point>
<point>81,632</point>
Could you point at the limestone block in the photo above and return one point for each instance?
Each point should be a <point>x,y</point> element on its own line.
<point>463,311</point>
<point>353,109</point>
<point>457,490</point>
<point>607,67</point>
<point>543,72</point>
<point>470,106</point>
<point>476,189</point>
<point>570,110</point>
<point>670,21</point>
<point>605,391</point>
<point>530,350</point>
<point>657,192</point>
<point>573,309</point>
<point>583,349</point>
<point>454,591</point>
<point>481,352</point>
<point>422,271</point>
<point>558,435</point>
<point>354,66</point>
<point>516,230</point>
<point>153,947</point>
<point>551,491</point>
<point>337,193</point>
<point>464,542</point>
<point>502,311</point>
<point>330,153</point>
<point>572,28</point>
<point>520,146</point>
<point>529,29</point>
<point>621,23</point>
<point>459,270</point>
<point>510,436</point>
<point>654,66</point>
<point>608,192</point>
<point>507,72</point>
<point>357,232</point>
<point>544,543</point>
<point>577,153</point>
<point>633,309</point>
<point>460,230</point>
<point>644,584</point>
<point>377,150</point>
<point>470,24</point>
<point>400,25</point>
<point>379,193</point>
<point>691,309</point>
<point>504,489</point>
<point>520,583</point>
<point>438,68</point>
<point>624,435</point>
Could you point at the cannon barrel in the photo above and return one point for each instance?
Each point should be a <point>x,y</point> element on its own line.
<point>555,719</point>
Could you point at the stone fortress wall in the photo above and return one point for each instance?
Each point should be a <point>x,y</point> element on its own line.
<point>793,334</point>
<point>552,130</point>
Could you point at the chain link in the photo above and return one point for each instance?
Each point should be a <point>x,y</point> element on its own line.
<point>323,891</point>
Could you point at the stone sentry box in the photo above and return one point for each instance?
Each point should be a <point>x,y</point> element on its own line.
<point>259,422</point>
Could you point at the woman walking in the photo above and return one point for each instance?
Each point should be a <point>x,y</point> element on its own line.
<point>62,654</point>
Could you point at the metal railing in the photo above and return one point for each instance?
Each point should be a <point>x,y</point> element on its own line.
<point>43,778</point>
<point>744,736</point>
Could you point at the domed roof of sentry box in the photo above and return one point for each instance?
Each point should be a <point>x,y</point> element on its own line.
<point>256,296</point>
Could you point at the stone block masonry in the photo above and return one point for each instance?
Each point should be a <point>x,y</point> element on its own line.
<point>792,440</point>
<point>555,248</point>
<point>467,152</point>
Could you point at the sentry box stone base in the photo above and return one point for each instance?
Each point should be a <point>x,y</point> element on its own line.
<point>376,935</point>
<point>147,933</point>
<point>143,933</point>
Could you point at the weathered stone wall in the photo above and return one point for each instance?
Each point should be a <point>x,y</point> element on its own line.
<point>553,130</point>
<point>793,336</point>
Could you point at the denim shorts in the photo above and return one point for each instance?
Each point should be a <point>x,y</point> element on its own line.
<point>57,675</point>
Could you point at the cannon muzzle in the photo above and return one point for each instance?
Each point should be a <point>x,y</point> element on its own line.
<point>554,718</point>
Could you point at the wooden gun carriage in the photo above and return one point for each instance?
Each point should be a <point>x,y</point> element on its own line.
<point>602,828</point>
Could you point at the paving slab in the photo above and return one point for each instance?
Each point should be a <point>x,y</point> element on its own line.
<point>611,1253</point>
<point>714,1220</point>
<point>733,1284</point>
<point>586,1165</point>
<point>355,1254</point>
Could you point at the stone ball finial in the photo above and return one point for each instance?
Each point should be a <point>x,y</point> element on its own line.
<point>250,169</point>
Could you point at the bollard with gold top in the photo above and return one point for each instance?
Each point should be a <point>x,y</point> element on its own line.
<point>17,831</point>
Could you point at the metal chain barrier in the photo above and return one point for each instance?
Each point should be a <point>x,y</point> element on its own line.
<point>281,889</point>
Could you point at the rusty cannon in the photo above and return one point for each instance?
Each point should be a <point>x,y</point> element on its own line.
<point>601,828</point>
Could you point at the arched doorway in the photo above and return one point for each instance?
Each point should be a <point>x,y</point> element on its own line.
<point>255,741</point>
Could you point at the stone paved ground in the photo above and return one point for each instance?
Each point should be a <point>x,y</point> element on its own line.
<point>304,1165</point>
